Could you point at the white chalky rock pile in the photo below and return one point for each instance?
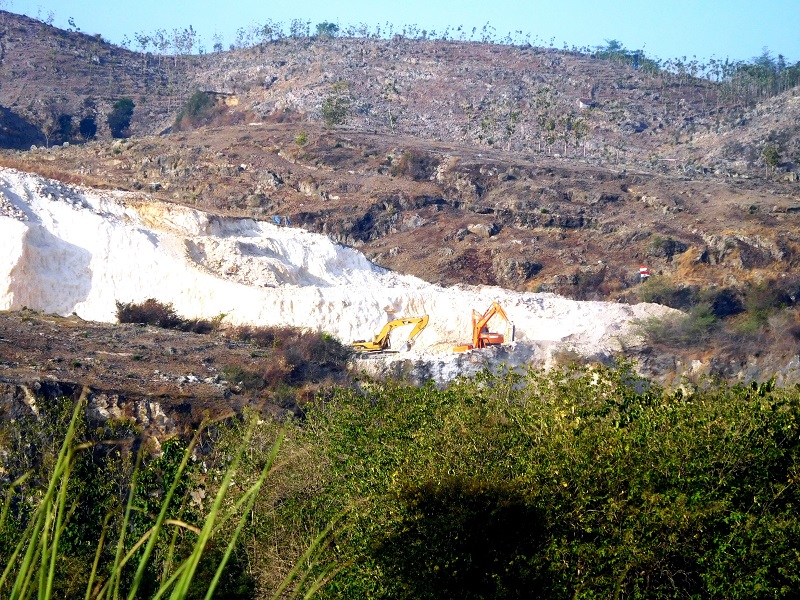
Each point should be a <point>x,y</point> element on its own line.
<point>65,249</point>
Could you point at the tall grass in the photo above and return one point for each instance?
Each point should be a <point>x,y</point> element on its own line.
<point>34,562</point>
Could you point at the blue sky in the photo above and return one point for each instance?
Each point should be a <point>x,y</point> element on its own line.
<point>737,29</point>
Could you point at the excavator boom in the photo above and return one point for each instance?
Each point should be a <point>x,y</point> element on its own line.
<point>380,342</point>
<point>481,336</point>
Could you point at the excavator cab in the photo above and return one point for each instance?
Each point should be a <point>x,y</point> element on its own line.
<point>380,342</point>
<point>481,336</point>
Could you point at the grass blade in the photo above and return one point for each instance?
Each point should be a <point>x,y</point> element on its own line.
<point>97,555</point>
<point>37,541</point>
<point>162,515</point>
<point>253,494</point>
<point>7,504</point>
<point>316,545</point>
<point>182,586</point>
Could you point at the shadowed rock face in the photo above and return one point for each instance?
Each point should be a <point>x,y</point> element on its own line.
<point>16,133</point>
<point>159,418</point>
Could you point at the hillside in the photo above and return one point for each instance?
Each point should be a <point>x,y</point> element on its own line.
<point>533,169</point>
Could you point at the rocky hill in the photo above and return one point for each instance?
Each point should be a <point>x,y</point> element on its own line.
<point>530,168</point>
<point>519,98</point>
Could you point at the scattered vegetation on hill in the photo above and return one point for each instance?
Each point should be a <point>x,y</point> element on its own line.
<point>746,320</point>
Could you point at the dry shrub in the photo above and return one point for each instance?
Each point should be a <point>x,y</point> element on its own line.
<point>415,164</point>
<point>475,262</point>
<point>277,372</point>
<point>300,355</point>
<point>155,313</point>
<point>151,312</point>
<point>264,337</point>
<point>247,380</point>
<point>591,285</point>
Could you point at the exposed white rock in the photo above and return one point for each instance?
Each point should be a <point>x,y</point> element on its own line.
<point>65,249</point>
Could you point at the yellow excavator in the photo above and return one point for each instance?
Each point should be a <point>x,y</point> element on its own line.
<point>380,343</point>
<point>481,336</point>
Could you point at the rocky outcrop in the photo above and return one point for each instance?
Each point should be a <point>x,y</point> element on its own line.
<point>19,401</point>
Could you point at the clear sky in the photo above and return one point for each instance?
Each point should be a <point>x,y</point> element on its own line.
<point>736,29</point>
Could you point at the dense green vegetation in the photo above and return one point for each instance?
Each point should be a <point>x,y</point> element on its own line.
<point>570,484</point>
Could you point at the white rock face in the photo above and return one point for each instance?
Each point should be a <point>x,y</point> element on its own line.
<point>66,249</point>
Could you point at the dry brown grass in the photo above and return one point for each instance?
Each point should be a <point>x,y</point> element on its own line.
<point>30,164</point>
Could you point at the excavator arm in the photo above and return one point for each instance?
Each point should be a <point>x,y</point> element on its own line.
<point>481,336</point>
<point>422,323</point>
<point>380,342</point>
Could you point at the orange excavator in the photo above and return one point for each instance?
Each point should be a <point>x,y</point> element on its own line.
<point>380,343</point>
<point>481,336</point>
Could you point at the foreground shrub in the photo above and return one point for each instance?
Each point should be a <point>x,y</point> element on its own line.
<point>102,527</point>
<point>617,488</point>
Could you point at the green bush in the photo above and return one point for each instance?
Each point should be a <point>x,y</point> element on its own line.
<point>463,538</point>
<point>200,109</point>
<point>119,119</point>
<point>301,139</point>
<point>663,290</point>
<point>336,105</point>
<point>682,331</point>
<point>617,487</point>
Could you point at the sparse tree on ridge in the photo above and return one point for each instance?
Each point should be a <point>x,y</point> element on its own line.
<point>327,29</point>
